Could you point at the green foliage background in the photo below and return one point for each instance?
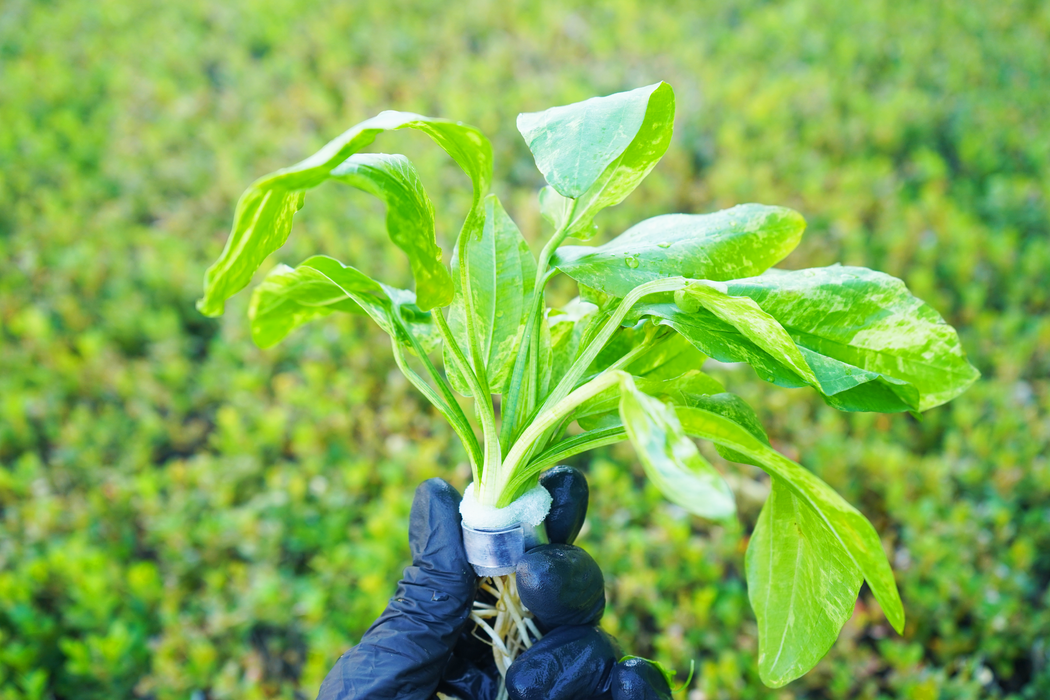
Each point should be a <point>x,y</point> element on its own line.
<point>185,516</point>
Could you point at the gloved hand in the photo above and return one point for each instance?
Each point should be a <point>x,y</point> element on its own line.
<point>422,643</point>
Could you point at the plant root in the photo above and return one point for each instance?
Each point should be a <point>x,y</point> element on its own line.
<point>506,624</point>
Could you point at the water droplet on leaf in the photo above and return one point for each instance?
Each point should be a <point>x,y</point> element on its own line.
<point>665,244</point>
<point>632,262</point>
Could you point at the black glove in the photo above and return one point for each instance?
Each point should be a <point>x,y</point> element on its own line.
<point>422,643</point>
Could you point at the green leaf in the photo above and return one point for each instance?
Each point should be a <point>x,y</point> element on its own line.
<point>738,242</point>
<point>684,390</point>
<point>735,409</point>
<point>555,208</point>
<point>747,317</point>
<point>264,212</point>
<point>843,386</point>
<point>851,530</point>
<point>545,361</point>
<point>567,327</point>
<point>288,297</point>
<point>802,585</point>
<point>869,320</point>
<point>409,218</point>
<point>669,358</point>
<point>691,388</point>
<point>503,273</point>
<point>670,458</point>
<point>597,151</point>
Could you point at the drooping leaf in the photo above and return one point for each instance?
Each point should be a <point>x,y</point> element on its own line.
<point>409,218</point>
<point>869,320</point>
<point>597,151</point>
<point>670,458</point>
<point>738,242</point>
<point>802,585</point>
<point>320,285</point>
<point>264,212</point>
<point>503,274</point>
<point>848,527</point>
<point>844,386</point>
<point>288,298</point>
<point>747,317</point>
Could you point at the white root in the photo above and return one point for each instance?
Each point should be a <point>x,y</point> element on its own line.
<point>507,624</point>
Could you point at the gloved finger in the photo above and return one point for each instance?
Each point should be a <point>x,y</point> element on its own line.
<point>403,654</point>
<point>569,663</point>
<point>638,679</point>
<point>568,489</point>
<point>561,585</point>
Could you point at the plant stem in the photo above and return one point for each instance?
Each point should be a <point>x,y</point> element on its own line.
<point>474,348</point>
<point>475,371</point>
<point>553,408</point>
<point>549,417</point>
<point>511,411</point>
<point>449,407</point>
<point>587,356</point>
<point>556,453</point>
<point>487,418</point>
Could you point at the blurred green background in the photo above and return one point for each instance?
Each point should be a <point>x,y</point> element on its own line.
<point>185,516</point>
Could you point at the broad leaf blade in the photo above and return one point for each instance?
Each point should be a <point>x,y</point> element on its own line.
<point>409,218</point>
<point>503,273</point>
<point>264,212</point>
<point>849,528</point>
<point>597,151</point>
<point>844,386</point>
<point>802,586</point>
<point>739,242</point>
<point>670,458</point>
<point>867,319</point>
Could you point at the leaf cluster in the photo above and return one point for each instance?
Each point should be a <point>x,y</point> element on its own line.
<point>625,360</point>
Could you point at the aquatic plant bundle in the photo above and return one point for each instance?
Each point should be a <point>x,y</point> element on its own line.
<point>623,361</point>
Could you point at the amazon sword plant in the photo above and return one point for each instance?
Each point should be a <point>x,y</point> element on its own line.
<point>624,361</point>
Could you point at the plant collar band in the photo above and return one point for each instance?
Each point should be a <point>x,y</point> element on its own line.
<point>497,552</point>
<point>495,539</point>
